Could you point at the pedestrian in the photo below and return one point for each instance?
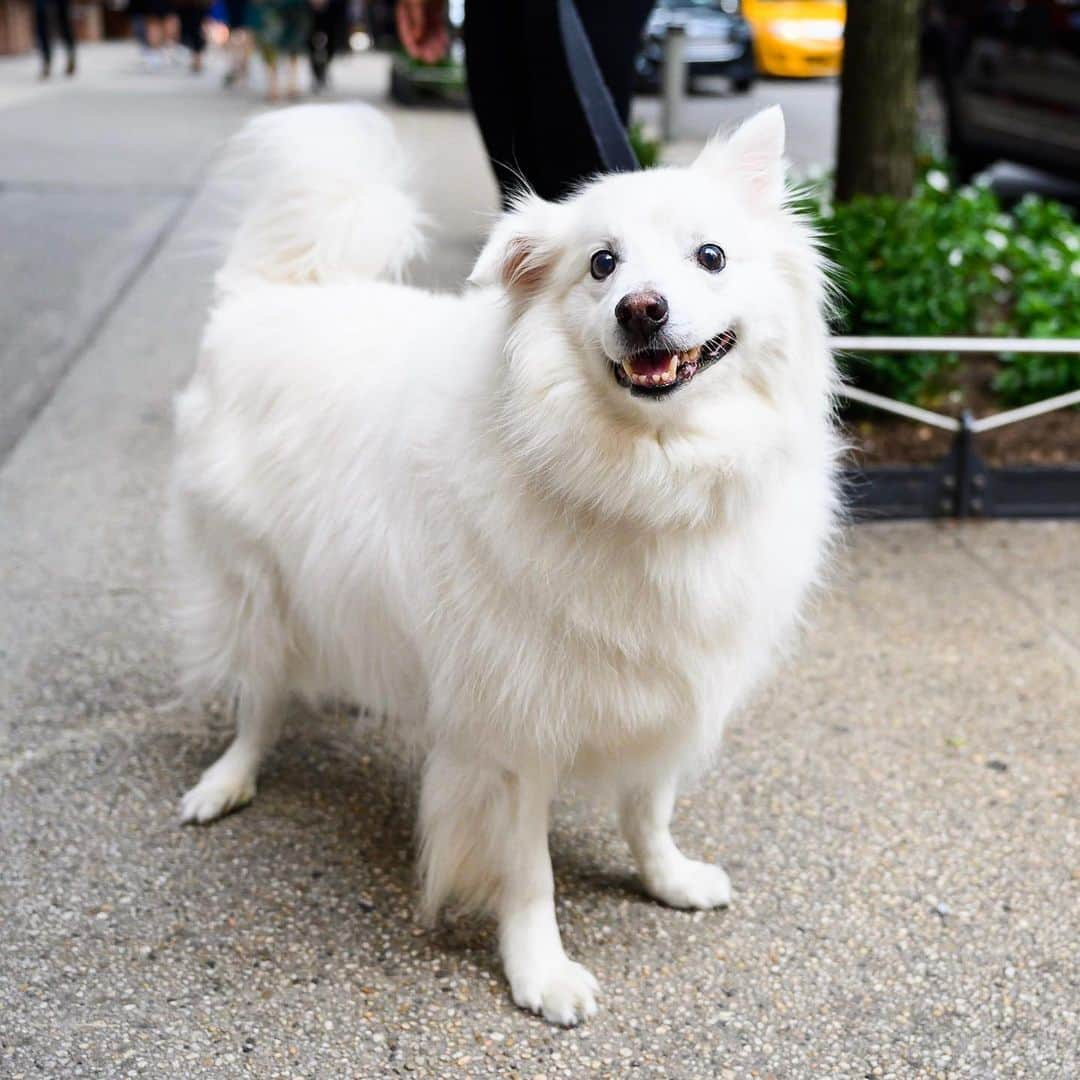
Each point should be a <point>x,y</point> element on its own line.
<point>44,33</point>
<point>328,33</point>
<point>522,93</point>
<point>281,29</point>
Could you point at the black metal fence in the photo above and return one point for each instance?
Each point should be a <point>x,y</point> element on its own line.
<point>961,484</point>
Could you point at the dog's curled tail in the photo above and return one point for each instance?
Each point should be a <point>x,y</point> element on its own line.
<point>327,199</point>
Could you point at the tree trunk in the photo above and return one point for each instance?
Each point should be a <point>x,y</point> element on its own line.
<point>876,146</point>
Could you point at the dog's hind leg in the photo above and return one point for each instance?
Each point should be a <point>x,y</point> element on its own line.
<point>645,811</point>
<point>237,646</point>
<point>230,782</point>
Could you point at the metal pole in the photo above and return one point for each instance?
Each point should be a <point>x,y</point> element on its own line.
<point>965,468</point>
<point>1068,346</point>
<point>674,82</point>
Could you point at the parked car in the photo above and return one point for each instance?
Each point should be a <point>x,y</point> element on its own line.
<point>718,42</point>
<point>797,38</point>
<point>1009,74</point>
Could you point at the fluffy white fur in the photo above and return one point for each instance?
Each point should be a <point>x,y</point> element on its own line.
<point>447,508</point>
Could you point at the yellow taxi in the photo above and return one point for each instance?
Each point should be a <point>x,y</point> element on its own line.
<point>799,38</point>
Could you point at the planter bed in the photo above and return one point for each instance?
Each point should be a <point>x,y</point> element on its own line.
<point>904,468</point>
<point>900,469</point>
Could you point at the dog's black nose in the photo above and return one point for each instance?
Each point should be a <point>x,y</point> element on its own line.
<point>642,313</point>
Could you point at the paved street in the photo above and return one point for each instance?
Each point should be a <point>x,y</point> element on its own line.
<point>898,813</point>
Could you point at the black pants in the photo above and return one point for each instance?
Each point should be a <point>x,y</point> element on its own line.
<point>44,34</point>
<point>191,27</point>
<point>525,104</point>
<point>329,30</point>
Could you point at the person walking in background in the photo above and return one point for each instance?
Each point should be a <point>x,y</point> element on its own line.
<point>44,33</point>
<point>281,29</point>
<point>328,33</point>
<point>522,94</point>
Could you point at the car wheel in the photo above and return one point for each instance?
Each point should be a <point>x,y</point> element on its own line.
<point>742,86</point>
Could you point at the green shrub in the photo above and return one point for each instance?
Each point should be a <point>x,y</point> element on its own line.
<point>646,148</point>
<point>953,262</point>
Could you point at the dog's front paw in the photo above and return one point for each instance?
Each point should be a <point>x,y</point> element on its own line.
<point>562,993</point>
<point>687,883</point>
<point>216,794</point>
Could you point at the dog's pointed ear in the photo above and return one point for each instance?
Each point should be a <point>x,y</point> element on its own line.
<point>519,251</point>
<point>753,155</point>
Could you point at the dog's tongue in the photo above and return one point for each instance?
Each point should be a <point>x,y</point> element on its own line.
<point>652,368</point>
<point>659,367</point>
<point>651,363</point>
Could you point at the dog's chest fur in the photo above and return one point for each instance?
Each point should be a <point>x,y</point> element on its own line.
<point>580,636</point>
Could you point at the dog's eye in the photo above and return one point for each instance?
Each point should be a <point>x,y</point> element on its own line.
<point>711,257</point>
<point>602,264</point>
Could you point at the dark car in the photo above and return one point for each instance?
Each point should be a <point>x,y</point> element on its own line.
<point>718,42</point>
<point>1009,73</point>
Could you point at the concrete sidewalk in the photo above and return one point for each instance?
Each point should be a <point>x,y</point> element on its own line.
<point>898,813</point>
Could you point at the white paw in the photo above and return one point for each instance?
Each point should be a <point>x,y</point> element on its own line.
<point>215,794</point>
<point>562,993</point>
<point>690,884</point>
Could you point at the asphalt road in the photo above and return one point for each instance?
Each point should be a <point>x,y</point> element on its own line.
<point>810,110</point>
<point>898,813</point>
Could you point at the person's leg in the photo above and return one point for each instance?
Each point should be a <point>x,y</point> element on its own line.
<point>566,150</point>
<point>41,27</point>
<point>495,54</point>
<point>292,67</point>
<point>63,20</point>
<point>272,91</point>
<point>243,51</point>
<point>155,32</point>
<point>235,16</point>
<point>239,52</point>
<point>170,30</point>
<point>319,46</point>
<point>525,101</point>
<point>191,34</point>
<point>614,32</point>
<point>337,30</point>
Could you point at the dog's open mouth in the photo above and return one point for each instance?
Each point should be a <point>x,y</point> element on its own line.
<point>656,373</point>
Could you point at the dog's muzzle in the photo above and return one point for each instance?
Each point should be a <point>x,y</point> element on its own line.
<point>658,373</point>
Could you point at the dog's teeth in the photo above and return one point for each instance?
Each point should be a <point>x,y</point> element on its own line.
<point>670,373</point>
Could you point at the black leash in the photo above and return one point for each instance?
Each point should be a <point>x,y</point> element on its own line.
<point>612,144</point>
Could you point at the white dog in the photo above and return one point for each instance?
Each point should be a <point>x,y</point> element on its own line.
<point>558,525</point>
